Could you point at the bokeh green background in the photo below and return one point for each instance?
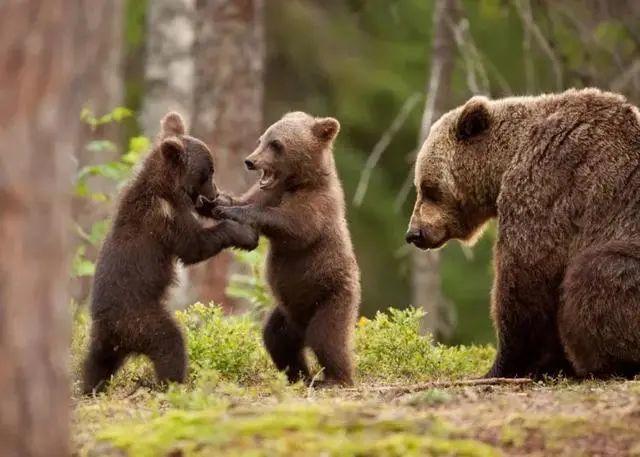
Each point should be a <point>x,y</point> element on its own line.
<point>360,60</point>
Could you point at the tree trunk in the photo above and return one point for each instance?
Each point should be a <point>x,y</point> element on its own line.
<point>102,24</point>
<point>427,291</point>
<point>41,89</point>
<point>169,62</point>
<point>169,84</point>
<point>229,62</point>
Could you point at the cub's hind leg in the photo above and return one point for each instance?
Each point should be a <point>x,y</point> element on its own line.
<point>163,343</point>
<point>102,362</point>
<point>285,345</point>
<point>330,335</point>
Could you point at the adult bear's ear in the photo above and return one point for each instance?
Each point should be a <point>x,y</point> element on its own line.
<point>326,128</point>
<point>173,150</point>
<point>172,125</point>
<point>474,119</point>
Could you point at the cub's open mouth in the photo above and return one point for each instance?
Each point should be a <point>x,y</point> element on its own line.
<point>267,179</point>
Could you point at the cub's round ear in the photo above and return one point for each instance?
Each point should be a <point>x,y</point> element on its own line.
<point>173,150</point>
<point>172,124</point>
<point>474,119</point>
<point>326,128</point>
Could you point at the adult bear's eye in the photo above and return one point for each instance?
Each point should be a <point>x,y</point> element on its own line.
<point>276,145</point>
<point>431,193</point>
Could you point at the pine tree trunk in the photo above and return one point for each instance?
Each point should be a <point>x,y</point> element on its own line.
<point>169,63</point>
<point>426,285</point>
<point>103,24</point>
<point>41,88</point>
<point>169,85</point>
<point>229,62</point>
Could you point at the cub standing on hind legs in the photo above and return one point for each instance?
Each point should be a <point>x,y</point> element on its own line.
<point>298,204</point>
<point>153,227</point>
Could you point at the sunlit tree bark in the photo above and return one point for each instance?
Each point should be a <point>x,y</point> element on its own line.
<point>102,23</point>
<point>42,85</point>
<point>169,86</point>
<point>229,62</point>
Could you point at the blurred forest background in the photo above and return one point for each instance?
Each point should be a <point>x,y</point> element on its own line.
<point>385,69</point>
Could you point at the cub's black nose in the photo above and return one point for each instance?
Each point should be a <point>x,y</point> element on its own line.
<point>413,236</point>
<point>250,165</point>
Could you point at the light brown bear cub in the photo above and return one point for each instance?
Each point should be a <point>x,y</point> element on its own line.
<point>561,173</point>
<point>298,204</point>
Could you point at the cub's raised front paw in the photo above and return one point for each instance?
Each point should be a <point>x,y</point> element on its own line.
<point>205,206</point>
<point>245,237</point>
<point>234,213</point>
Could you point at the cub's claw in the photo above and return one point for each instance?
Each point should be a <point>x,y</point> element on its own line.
<point>233,213</point>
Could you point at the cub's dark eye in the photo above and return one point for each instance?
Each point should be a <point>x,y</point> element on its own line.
<point>431,193</point>
<point>276,145</point>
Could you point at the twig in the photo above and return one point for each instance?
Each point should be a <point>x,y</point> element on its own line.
<point>445,384</point>
<point>625,78</point>
<point>472,83</point>
<point>381,146</point>
<point>403,193</point>
<point>528,56</point>
<point>527,20</point>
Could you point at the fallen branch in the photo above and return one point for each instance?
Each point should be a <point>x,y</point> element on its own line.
<point>445,384</point>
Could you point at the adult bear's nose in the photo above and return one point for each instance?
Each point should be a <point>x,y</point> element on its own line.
<point>414,236</point>
<point>249,164</point>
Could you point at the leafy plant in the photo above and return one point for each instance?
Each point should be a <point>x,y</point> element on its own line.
<point>390,347</point>
<point>231,346</point>
<point>252,286</point>
<point>117,171</point>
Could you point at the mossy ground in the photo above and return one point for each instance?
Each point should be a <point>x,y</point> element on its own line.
<point>235,404</point>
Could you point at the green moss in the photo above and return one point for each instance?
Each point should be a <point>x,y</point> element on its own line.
<point>294,429</point>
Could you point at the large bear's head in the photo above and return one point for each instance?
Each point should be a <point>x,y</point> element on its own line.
<point>294,151</point>
<point>453,192</point>
<point>188,160</point>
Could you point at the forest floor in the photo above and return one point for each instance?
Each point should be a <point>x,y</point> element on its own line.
<point>563,419</point>
<point>407,402</point>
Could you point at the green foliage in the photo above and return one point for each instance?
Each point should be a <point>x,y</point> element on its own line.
<point>116,171</point>
<point>229,349</point>
<point>251,286</point>
<point>80,265</point>
<point>230,346</point>
<point>390,347</point>
<point>118,114</point>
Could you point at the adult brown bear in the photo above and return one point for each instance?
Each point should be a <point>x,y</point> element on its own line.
<point>561,173</point>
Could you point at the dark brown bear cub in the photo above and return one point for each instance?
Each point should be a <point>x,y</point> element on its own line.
<point>298,204</point>
<point>153,227</point>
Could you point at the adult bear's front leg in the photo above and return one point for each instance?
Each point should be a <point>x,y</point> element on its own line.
<point>524,312</point>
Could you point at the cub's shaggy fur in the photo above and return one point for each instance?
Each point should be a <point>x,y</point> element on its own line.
<point>298,205</point>
<point>153,227</point>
